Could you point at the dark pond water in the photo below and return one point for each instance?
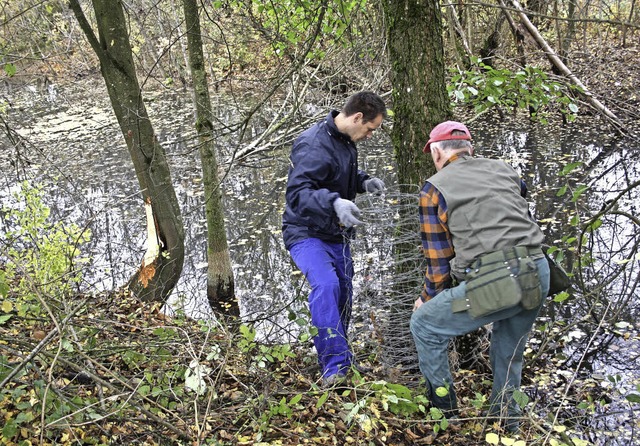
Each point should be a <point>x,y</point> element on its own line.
<point>72,144</point>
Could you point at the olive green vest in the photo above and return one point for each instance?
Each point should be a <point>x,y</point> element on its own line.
<point>484,208</point>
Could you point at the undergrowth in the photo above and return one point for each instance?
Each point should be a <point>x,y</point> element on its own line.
<point>104,368</point>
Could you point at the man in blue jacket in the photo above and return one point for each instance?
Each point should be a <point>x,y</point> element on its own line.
<point>320,218</point>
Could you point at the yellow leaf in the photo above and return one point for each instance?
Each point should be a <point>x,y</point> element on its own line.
<point>559,429</point>
<point>506,441</point>
<point>492,438</point>
<point>7,306</point>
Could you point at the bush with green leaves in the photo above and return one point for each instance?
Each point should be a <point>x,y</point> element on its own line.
<point>40,257</point>
<point>483,87</point>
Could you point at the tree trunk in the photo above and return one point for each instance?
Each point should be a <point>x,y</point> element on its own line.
<point>220,285</point>
<point>492,43</point>
<point>420,99</point>
<point>162,265</point>
<point>517,35</point>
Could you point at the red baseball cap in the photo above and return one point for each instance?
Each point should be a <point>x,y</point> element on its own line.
<point>443,132</point>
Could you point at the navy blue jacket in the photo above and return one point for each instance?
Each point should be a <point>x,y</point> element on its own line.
<point>324,167</point>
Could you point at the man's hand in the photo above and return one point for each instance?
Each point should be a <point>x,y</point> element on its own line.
<point>347,212</point>
<point>374,185</point>
<point>417,304</point>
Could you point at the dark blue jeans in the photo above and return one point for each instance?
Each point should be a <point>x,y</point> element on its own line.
<point>328,268</point>
<point>434,324</point>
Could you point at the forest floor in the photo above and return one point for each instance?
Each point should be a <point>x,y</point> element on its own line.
<point>123,373</point>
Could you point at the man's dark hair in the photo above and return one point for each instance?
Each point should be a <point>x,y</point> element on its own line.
<point>366,102</point>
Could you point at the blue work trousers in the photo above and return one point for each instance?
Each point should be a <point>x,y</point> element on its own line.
<point>328,268</point>
<point>433,325</point>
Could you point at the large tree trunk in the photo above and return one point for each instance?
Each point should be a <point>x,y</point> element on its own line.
<point>420,98</point>
<point>220,285</point>
<point>420,102</point>
<point>162,265</point>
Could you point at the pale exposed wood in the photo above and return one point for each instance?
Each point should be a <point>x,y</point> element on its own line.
<point>153,242</point>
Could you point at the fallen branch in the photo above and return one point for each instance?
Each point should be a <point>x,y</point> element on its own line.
<point>555,60</point>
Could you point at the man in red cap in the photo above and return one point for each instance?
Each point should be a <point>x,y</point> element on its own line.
<point>484,266</point>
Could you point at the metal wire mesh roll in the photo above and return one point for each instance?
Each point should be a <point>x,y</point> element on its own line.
<point>389,270</point>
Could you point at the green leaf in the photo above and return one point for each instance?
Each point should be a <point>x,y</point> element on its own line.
<point>10,69</point>
<point>570,168</point>
<point>562,191</point>
<point>595,225</point>
<point>10,429</point>
<point>633,398</point>
<point>322,399</point>
<point>520,398</point>
<point>6,306</point>
<point>579,191</point>
<point>442,392</point>
<point>561,297</point>
<point>575,220</point>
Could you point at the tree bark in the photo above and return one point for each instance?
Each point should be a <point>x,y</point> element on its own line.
<point>220,284</point>
<point>420,99</point>
<point>420,102</point>
<point>162,266</point>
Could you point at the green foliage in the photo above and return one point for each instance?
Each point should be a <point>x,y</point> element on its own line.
<point>289,23</point>
<point>398,399</point>
<point>634,397</point>
<point>484,87</point>
<point>247,339</point>
<point>303,321</point>
<point>10,69</point>
<point>520,398</point>
<point>286,408</point>
<point>41,257</point>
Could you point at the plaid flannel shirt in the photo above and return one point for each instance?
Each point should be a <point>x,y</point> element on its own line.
<point>436,241</point>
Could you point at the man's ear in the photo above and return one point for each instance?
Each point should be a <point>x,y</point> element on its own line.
<point>357,117</point>
<point>436,154</point>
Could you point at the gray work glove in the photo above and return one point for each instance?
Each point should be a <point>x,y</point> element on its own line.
<point>374,185</point>
<point>347,212</point>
